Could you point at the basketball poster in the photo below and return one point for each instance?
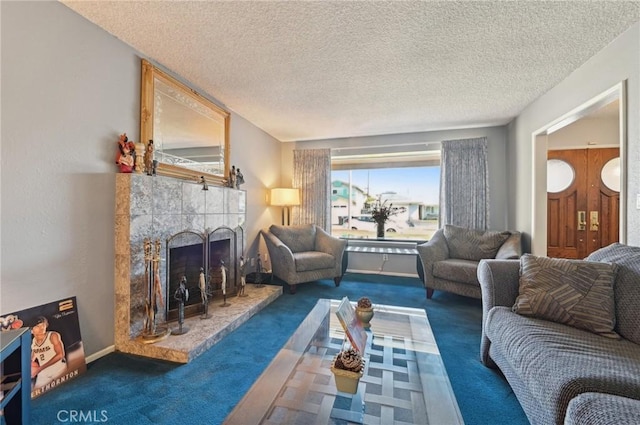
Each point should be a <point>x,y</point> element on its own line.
<point>57,354</point>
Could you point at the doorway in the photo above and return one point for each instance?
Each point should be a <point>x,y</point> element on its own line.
<point>555,236</point>
<point>583,201</point>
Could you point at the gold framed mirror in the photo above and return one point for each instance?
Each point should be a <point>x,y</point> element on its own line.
<point>190,133</point>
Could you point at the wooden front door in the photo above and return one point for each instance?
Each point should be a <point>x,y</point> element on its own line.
<point>584,216</point>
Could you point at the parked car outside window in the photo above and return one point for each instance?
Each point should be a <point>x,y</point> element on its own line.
<point>366,222</point>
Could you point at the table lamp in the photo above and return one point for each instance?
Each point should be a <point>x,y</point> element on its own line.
<point>285,197</point>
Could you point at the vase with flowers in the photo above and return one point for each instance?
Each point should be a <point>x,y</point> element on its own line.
<point>380,214</point>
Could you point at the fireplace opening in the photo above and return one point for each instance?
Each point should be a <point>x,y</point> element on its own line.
<point>187,254</point>
<point>185,257</point>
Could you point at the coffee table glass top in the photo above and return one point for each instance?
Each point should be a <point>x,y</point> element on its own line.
<point>405,381</point>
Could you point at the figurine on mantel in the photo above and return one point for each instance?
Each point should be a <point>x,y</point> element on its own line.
<point>233,175</point>
<point>149,161</point>
<point>125,157</point>
<point>239,179</point>
<point>235,178</point>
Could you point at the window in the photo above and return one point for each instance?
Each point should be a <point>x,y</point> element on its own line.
<point>412,192</point>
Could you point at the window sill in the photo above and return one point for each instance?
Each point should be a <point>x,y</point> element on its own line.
<point>374,242</point>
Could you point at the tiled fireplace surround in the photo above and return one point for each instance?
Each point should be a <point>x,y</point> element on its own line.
<point>157,207</point>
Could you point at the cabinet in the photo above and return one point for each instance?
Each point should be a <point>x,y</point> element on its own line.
<point>16,376</point>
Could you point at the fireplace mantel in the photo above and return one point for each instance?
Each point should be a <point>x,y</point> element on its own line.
<point>154,208</point>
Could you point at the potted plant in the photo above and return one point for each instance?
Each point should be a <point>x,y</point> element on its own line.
<point>348,368</point>
<point>364,311</point>
<point>380,214</point>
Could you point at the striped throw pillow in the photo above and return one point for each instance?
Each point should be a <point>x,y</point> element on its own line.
<point>573,292</point>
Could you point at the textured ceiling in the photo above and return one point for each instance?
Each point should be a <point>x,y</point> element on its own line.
<point>316,70</point>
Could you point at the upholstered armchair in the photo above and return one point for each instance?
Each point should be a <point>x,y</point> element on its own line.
<point>450,258</point>
<point>304,253</point>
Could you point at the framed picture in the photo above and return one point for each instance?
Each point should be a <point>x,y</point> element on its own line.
<point>57,353</point>
<point>352,326</point>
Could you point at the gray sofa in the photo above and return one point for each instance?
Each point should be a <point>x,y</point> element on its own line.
<point>304,253</point>
<point>602,409</point>
<point>450,258</point>
<point>561,373</point>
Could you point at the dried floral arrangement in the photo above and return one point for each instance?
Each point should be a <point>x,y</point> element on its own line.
<point>350,360</point>
<point>381,212</point>
<point>364,302</point>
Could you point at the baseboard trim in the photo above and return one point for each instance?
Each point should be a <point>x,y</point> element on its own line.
<point>386,273</point>
<point>95,356</point>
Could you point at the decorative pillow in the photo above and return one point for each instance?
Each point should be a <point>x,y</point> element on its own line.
<point>472,244</point>
<point>574,292</point>
<point>512,248</point>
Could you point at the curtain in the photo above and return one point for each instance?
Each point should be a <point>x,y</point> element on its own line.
<point>312,175</point>
<point>464,183</point>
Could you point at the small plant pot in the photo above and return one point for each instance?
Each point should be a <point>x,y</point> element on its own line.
<point>365,315</point>
<point>346,381</point>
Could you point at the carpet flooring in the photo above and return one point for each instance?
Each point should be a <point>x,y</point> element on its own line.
<point>129,390</point>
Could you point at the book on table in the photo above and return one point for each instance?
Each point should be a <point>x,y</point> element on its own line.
<point>352,326</point>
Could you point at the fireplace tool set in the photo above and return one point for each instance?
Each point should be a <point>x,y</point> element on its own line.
<point>153,332</point>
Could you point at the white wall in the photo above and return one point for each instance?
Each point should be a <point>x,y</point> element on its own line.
<point>68,90</point>
<point>604,132</point>
<point>617,62</point>
<point>258,156</point>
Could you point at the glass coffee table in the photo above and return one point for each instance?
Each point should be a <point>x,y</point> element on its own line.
<point>404,381</point>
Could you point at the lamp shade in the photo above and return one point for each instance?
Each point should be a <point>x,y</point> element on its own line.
<point>285,197</point>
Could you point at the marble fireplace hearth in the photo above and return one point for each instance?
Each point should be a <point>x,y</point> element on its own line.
<point>154,208</point>
<point>204,333</point>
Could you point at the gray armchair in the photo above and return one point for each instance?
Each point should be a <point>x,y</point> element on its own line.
<point>450,259</point>
<point>304,253</point>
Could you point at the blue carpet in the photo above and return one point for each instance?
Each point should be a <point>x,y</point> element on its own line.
<point>123,389</point>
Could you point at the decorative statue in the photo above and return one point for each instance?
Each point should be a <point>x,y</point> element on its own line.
<point>149,162</point>
<point>223,284</point>
<point>182,296</point>
<point>259,271</point>
<point>138,156</point>
<point>233,176</point>
<point>223,274</point>
<point>259,264</point>
<point>204,295</point>
<point>205,186</point>
<point>243,278</point>
<point>126,154</point>
<point>203,286</point>
<point>239,179</point>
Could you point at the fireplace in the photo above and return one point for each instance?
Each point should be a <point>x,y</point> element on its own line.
<point>177,214</point>
<point>188,255</point>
